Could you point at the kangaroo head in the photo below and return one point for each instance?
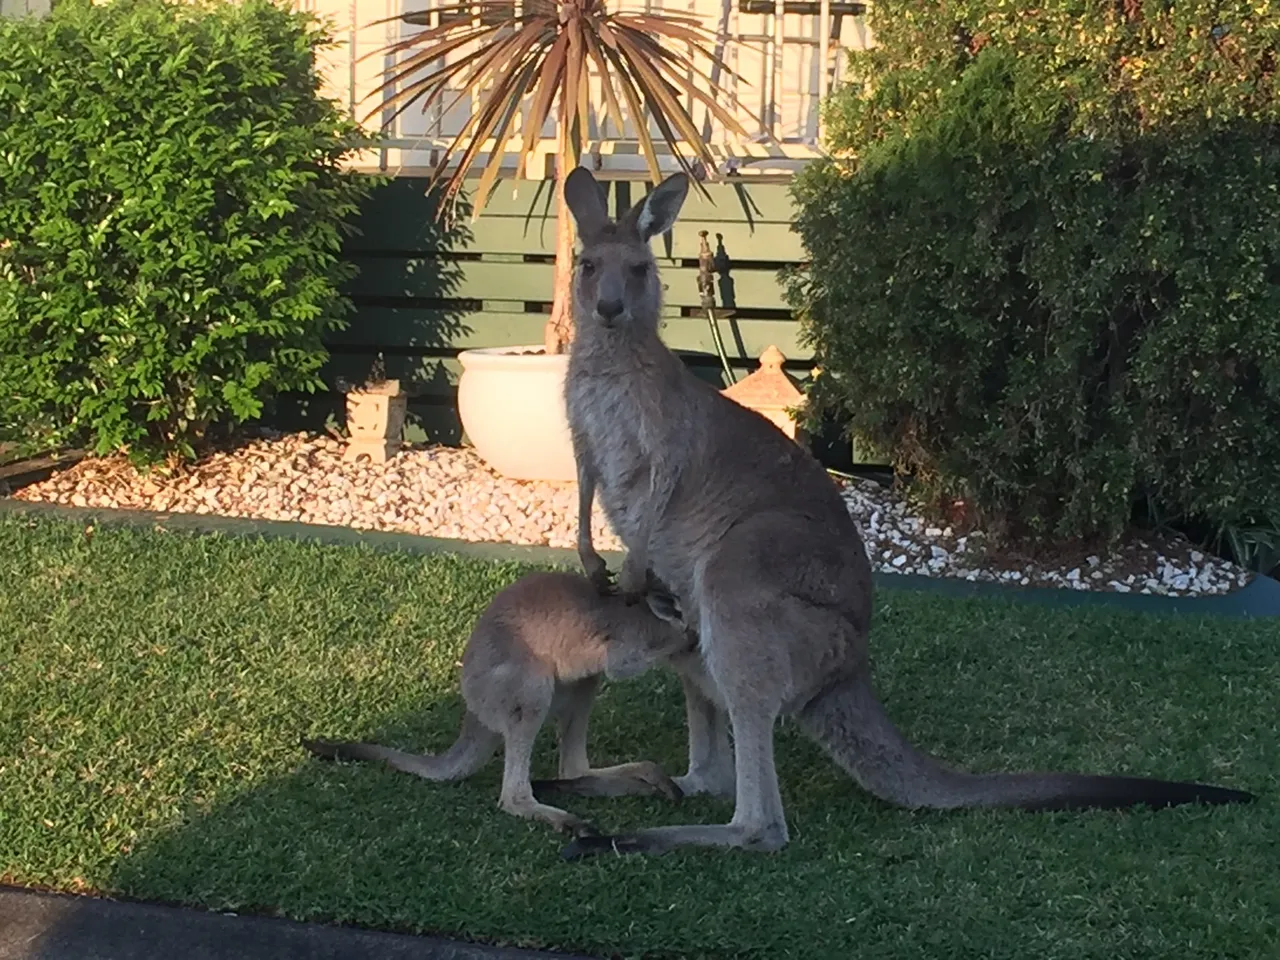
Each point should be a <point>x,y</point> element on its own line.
<point>616,282</point>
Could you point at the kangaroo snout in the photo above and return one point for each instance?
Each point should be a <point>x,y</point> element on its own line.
<point>609,310</point>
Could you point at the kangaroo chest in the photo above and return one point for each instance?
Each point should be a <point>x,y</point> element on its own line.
<point>619,423</point>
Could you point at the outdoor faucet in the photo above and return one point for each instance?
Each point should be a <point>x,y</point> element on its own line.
<point>706,273</point>
<point>707,296</point>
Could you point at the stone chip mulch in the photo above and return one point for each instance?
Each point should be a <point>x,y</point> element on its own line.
<point>449,492</point>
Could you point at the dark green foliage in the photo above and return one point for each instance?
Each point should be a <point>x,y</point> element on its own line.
<point>171,217</point>
<point>1046,269</point>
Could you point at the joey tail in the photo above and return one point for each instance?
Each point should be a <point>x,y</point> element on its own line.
<point>474,748</point>
<point>849,722</point>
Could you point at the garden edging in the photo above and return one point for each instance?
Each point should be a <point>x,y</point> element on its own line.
<point>1260,597</point>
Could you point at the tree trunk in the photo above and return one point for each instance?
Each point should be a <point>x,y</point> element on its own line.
<point>559,329</point>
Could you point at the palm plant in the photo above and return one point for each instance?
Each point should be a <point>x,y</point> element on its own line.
<point>542,53</point>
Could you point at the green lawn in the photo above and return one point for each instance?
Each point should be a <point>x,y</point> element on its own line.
<point>153,687</point>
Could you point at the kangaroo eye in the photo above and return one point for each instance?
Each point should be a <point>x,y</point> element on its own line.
<point>639,270</point>
<point>587,267</point>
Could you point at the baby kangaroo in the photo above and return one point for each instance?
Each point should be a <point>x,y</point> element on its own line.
<point>539,649</point>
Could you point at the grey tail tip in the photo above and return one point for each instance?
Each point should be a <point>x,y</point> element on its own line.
<point>1227,795</point>
<point>1120,793</point>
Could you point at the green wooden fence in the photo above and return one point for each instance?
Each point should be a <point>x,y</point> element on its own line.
<point>425,292</point>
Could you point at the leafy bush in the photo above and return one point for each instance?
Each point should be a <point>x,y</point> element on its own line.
<point>171,216</point>
<point>1045,267</point>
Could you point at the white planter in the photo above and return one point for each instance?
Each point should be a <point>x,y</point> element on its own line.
<point>511,403</point>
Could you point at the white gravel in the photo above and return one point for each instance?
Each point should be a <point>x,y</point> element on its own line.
<point>450,492</point>
<point>899,541</point>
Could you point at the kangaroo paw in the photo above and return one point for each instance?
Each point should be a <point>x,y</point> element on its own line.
<point>657,778</point>
<point>583,847</point>
<point>580,829</point>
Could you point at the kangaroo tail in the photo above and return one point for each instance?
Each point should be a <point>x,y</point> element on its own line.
<point>474,747</point>
<point>849,722</point>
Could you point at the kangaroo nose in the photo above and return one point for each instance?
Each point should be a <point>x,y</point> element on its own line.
<point>609,309</point>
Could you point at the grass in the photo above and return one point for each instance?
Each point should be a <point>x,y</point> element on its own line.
<point>153,687</point>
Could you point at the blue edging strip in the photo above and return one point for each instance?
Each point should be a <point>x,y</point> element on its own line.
<point>1260,598</point>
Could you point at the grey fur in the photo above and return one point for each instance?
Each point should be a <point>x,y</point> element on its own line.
<point>752,536</point>
<point>538,650</point>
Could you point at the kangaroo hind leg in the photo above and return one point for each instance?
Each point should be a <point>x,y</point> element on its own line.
<point>517,798</point>
<point>753,691</point>
<point>577,776</point>
<point>711,766</point>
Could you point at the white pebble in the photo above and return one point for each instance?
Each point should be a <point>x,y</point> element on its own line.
<point>451,492</point>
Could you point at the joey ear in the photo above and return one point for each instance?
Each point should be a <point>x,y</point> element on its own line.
<point>586,200</point>
<point>657,212</point>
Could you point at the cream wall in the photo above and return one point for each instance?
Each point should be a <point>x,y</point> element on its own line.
<point>789,98</point>
<point>18,8</point>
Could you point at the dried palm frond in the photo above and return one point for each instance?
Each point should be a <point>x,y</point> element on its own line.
<point>645,61</point>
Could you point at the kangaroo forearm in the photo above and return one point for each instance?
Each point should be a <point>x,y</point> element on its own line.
<point>586,497</point>
<point>592,563</point>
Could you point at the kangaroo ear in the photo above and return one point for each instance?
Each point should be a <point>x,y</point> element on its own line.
<point>586,200</point>
<point>657,212</point>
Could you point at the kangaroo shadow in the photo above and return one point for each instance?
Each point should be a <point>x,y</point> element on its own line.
<point>362,845</point>
<point>308,842</point>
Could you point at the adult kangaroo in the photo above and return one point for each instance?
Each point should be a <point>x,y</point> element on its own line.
<point>753,538</point>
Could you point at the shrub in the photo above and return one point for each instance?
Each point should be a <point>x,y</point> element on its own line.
<point>171,215</point>
<point>1045,269</point>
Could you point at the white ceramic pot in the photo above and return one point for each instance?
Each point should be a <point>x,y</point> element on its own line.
<point>511,403</point>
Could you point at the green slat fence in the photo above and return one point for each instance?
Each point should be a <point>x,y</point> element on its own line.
<point>427,291</point>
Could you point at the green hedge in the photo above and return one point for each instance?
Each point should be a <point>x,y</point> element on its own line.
<point>1045,270</point>
<point>171,217</point>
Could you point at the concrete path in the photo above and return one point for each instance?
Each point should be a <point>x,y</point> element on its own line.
<point>46,926</point>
